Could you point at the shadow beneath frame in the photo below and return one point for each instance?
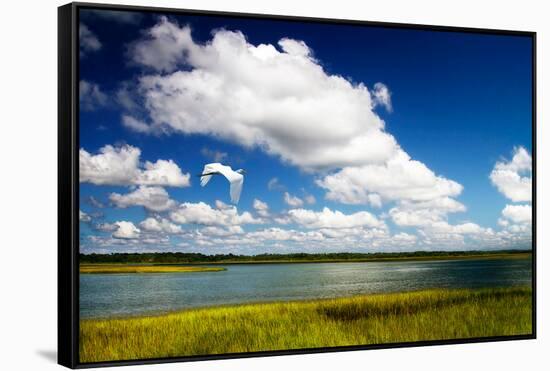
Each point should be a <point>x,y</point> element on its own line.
<point>50,355</point>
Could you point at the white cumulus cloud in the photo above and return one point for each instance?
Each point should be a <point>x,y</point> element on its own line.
<point>202,213</point>
<point>518,213</point>
<point>152,198</point>
<point>216,231</point>
<point>401,178</point>
<point>126,230</point>
<point>278,234</point>
<point>424,213</point>
<point>382,96</point>
<point>513,178</point>
<point>121,166</point>
<point>160,225</point>
<point>274,97</point>
<point>333,219</point>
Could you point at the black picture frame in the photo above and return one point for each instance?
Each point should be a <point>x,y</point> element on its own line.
<point>68,183</point>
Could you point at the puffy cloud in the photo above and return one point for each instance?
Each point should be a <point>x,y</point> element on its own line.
<point>466,235</point>
<point>343,233</point>
<point>216,156</point>
<point>261,208</point>
<point>83,217</point>
<point>431,218</point>
<point>163,172</point>
<point>90,95</point>
<point>464,228</point>
<point>333,219</point>
<point>409,218</point>
<point>152,198</point>
<point>294,47</point>
<point>160,225</point>
<point>513,178</point>
<point>382,96</point>
<point>404,238</point>
<point>126,230</point>
<point>163,47</point>
<point>121,166</point>
<point>107,245</point>
<point>401,178</point>
<point>215,231</point>
<point>202,213</point>
<point>438,205</point>
<point>276,98</point>
<point>278,234</point>
<point>518,213</point>
<point>424,213</point>
<point>112,166</point>
<point>88,40</point>
<point>137,242</point>
<point>292,201</point>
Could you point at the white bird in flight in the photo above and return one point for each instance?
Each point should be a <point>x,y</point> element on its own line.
<point>235,178</point>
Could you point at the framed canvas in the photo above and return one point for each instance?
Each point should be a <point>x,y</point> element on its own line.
<point>238,185</point>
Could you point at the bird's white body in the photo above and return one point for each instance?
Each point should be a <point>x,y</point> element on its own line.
<point>235,178</point>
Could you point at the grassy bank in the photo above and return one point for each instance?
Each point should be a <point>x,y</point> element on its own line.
<point>367,319</point>
<point>125,268</point>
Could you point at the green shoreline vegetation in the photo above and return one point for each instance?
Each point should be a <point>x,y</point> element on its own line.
<point>436,314</point>
<point>126,268</point>
<point>167,258</point>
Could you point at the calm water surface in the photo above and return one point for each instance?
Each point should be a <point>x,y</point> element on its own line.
<point>106,295</point>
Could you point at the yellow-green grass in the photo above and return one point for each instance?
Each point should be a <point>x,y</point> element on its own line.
<point>359,320</point>
<point>125,268</point>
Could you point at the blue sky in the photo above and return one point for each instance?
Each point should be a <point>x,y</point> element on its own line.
<point>378,139</point>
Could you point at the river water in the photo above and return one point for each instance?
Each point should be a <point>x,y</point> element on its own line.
<point>108,295</point>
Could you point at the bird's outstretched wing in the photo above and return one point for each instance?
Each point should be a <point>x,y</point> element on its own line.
<point>209,169</point>
<point>236,181</point>
<point>236,188</point>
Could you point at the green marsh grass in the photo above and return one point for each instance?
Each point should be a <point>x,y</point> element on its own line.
<point>360,320</point>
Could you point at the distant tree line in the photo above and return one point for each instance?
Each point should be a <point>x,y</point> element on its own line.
<point>179,257</point>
